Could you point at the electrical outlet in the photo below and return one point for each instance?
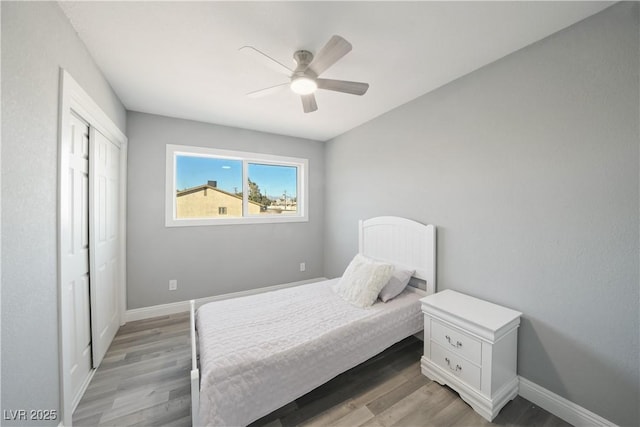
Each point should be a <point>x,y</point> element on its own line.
<point>303,266</point>
<point>173,285</point>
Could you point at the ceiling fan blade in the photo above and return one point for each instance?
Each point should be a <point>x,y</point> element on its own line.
<point>336,48</point>
<point>354,88</point>
<point>267,91</point>
<point>267,60</point>
<point>309,103</point>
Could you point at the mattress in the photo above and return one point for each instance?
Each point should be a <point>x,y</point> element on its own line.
<point>260,352</point>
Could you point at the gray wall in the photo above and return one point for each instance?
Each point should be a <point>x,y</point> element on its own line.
<point>37,39</point>
<point>211,260</point>
<point>529,168</point>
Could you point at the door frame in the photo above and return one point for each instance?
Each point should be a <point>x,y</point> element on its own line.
<point>74,98</point>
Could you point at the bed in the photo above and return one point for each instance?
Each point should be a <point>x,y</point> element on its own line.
<point>260,352</point>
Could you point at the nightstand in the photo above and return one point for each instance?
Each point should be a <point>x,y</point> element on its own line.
<point>471,345</point>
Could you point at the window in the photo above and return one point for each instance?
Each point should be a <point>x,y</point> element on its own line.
<point>213,187</point>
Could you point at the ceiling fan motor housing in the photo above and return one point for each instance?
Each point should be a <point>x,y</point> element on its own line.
<point>303,79</point>
<point>303,58</point>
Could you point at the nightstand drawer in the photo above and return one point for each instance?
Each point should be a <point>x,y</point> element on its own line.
<point>456,365</point>
<point>457,342</point>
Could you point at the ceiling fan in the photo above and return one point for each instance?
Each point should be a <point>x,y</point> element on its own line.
<point>304,79</point>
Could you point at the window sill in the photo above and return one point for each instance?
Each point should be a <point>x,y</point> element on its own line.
<point>233,221</point>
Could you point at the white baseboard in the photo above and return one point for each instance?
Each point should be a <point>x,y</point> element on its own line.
<point>559,406</point>
<point>183,306</point>
<point>83,388</point>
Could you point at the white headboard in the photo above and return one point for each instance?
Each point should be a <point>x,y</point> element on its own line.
<point>401,241</point>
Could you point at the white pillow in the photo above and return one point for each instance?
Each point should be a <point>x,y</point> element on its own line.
<point>396,284</point>
<point>362,281</point>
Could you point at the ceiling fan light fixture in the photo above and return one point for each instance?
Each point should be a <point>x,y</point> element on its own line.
<point>304,80</point>
<point>303,85</point>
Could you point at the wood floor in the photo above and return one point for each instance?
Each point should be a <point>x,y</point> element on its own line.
<point>144,381</point>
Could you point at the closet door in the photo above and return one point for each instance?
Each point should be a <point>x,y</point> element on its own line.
<point>75,255</point>
<point>104,173</point>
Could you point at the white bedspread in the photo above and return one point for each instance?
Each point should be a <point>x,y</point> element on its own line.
<point>260,352</point>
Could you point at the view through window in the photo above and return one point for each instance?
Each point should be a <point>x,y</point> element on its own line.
<point>235,186</point>
<point>274,187</point>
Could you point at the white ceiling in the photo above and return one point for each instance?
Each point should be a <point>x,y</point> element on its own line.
<point>181,59</point>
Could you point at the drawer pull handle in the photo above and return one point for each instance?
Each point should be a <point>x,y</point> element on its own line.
<point>458,367</point>
<point>458,344</point>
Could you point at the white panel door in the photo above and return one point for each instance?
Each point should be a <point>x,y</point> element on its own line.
<point>104,237</point>
<point>75,254</point>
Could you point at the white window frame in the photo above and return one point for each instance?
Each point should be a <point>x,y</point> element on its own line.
<point>302,166</point>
